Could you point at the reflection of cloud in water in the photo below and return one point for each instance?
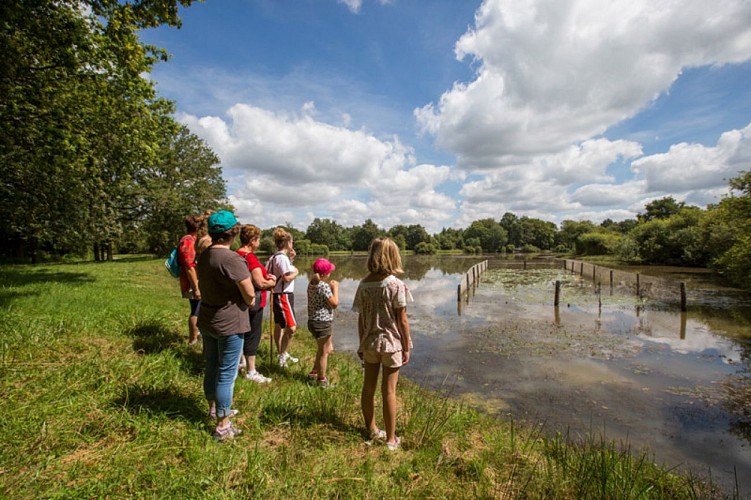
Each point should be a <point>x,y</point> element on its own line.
<point>699,341</point>
<point>435,293</point>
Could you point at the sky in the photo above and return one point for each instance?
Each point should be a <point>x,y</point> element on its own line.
<point>443,112</point>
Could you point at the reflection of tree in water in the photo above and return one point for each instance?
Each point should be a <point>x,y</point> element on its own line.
<point>737,400</point>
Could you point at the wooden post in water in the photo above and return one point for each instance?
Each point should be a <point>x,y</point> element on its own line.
<point>594,273</point>
<point>557,299</point>
<point>581,269</point>
<point>638,290</point>
<point>683,297</point>
<point>611,278</point>
<point>525,264</point>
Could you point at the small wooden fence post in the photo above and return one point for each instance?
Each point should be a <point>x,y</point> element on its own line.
<point>557,293</point>
<point>683,296</point>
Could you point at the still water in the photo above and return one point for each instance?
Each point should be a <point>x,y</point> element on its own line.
<point>635,371</point>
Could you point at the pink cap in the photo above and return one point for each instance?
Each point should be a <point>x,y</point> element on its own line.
<point>323,267</point>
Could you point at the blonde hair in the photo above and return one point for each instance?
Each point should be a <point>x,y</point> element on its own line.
<point>281,237</point>
<point>203,224</point>
<point>248,233</point>
<point>384,257</point>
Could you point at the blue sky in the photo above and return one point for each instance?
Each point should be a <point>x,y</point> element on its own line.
<point>441,112</point>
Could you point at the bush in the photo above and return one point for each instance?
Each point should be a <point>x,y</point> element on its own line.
<point>319,249</point>
<point>530,249</point>
<point>424,248</point>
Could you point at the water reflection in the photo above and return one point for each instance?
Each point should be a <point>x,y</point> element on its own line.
<point>638,370</point>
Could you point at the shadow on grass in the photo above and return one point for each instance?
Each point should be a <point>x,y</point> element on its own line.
<point>124,258</point>
<point>153,337</point>
<point>160,401</point>
<point>28,275</point>
<point>318,406</point>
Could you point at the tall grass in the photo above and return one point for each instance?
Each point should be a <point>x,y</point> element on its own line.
<point>102,398</point>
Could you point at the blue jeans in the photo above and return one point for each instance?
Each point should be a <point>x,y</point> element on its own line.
<point>222,354</point>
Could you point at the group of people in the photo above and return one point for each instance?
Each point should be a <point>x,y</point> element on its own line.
<point>227,291</point>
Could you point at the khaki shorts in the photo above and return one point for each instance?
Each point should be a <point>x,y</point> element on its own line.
<point>387,359</point>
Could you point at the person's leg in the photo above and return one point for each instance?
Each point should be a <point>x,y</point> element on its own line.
<point>193,322</point>
<point>369,384</point>
<point>253,339</point>
<point>322,355</point>
<point>229,349</point>
<point>288,322</point>
<point>211,359</point>
<point>388,393</point>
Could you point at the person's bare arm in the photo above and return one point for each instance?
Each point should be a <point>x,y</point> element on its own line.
<point>334,299</point>
<point>247,290</point>
<point>193,280</point>
<point>258,279</point>
<point>402,323</point>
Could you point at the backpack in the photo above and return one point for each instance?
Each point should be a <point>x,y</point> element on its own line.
<point>173,264</point>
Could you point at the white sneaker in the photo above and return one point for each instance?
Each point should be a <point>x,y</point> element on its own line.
<point>282,360</point>
<point>257,377</point>
<point>290,358</point>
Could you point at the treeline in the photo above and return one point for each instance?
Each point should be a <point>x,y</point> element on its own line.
<point>91,159</point>
<point>667,232</point>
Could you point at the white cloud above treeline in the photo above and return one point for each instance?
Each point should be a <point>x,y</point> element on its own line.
<point>551,76</point>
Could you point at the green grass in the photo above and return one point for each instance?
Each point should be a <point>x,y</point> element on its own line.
<point>102,397</point>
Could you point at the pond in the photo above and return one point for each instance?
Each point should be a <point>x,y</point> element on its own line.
<point>610,364</point>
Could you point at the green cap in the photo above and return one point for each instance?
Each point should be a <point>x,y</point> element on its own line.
<point>222,221</point>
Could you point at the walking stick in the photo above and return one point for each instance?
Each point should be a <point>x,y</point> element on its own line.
<point>271,329</point>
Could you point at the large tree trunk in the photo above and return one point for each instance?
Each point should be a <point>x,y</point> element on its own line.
<point>96,252</point>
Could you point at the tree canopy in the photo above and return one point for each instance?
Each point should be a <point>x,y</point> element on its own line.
<point>83,132</point>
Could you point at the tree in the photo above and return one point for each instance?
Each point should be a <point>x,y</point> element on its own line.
<point>76,115</point>
<point>185,179</point>
<point>510,222</point>
<point>660,209</point>
<point>570,232</point>
<point>363,235</point>
<point>728,226</point>
<point>667,241</point>
<point>450,239</point>
<point>327,232</point>
<point>491,235</point>
<point>536,232</point>
<point>416,234</point>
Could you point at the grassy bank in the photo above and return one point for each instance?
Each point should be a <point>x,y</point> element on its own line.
<point>103,397</point>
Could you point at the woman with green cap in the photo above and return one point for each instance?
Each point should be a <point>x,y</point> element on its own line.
<point>226,294</point>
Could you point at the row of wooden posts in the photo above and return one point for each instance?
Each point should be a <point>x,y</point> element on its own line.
<point>471,279</point>
<point>578,266</point>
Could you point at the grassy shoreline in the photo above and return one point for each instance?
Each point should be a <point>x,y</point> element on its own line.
<point>103,397</point>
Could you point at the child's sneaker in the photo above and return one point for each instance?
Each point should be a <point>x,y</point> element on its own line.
<point>257,377</point>
<point>395,445</point>
<point>282,360</point>
<point>378,435</point>
<point>291,358</point>
<point>323,383</point>
<point>229,432</point>
<point>313,374</point>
